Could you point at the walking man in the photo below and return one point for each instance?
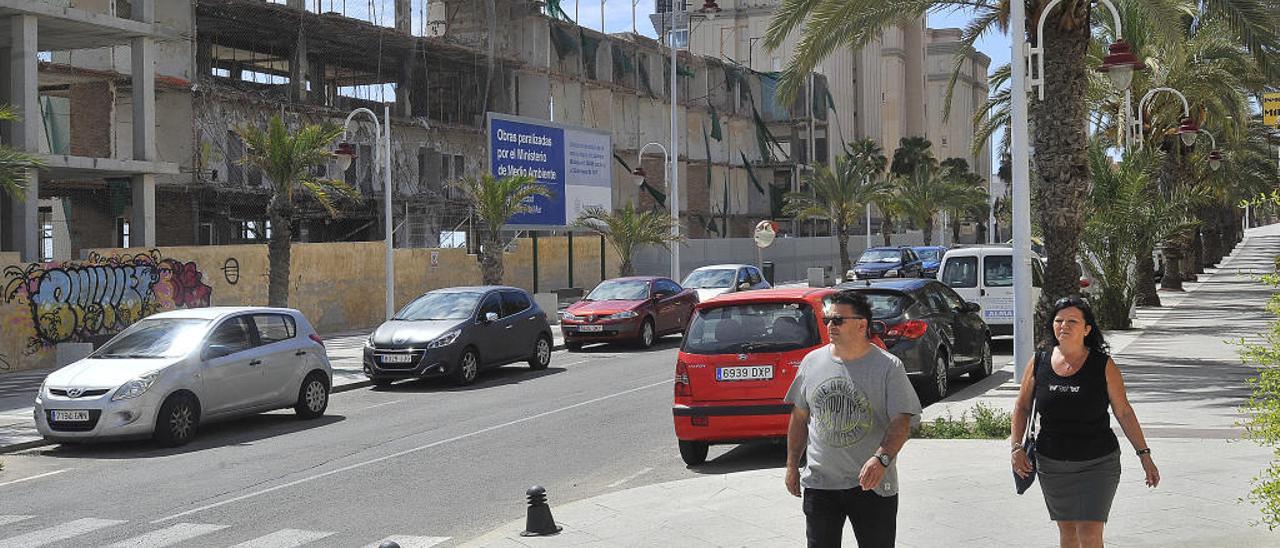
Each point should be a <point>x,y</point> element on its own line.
<point>853,408</point>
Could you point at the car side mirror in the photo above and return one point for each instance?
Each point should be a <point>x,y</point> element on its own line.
<point>878,328</point>
<point>970,307</point>
<point>490,317</point>
<point>215,351</point>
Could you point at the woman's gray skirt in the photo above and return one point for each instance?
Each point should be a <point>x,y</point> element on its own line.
<point>1079,490</point>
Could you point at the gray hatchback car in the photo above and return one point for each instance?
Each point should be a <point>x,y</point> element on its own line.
<point>456,332</point>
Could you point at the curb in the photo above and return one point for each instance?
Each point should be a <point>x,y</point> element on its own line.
<point>14,448</point>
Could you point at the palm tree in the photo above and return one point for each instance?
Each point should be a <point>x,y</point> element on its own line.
<point>911,153</point>
<point>839,196</point>
<point>1059,120</point>
<point>288,160</point>
<point>968,199</point>
<point>628,229</point>
<point>14,165</point>
<point>496,201</point>
<point>921,195</point>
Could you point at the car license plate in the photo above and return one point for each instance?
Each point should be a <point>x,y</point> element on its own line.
<point>397,358</point>
<point>747,373</point>
<point>70,416</point>
<point>591,328</point>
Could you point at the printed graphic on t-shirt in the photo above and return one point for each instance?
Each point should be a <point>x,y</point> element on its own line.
<point>842,414</point>
<point>1064,388</point>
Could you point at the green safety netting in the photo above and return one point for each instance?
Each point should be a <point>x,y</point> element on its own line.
<point>715,124</point>
<point>644,79</point>
<point>589,48</point>
<point>658,195</point>
<point>556,12</point>
<point>622,64</point>
<point>707,144</point>
<point>751,174</point>
<point>563,42</point>
<point>119,195</point>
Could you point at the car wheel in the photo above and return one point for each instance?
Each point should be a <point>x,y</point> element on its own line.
<point>313,397</point>
<point>693,453</point>
<point>177,422</point>
<point>468,368</point>
<point>573,347</point>
<point>541,354</point>
<point>647,335</point>
<point>985,366</point>
<point>935,388</point>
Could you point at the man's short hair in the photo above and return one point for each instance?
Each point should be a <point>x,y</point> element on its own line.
<point>861,306</point>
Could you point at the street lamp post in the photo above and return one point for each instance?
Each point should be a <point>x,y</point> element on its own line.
<point>345,154</point>
<point>1119,66</point>
<point>639,172</point>
<point>1187,128</point>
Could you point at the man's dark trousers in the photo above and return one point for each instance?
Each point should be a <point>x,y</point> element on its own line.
<point>874,518</point>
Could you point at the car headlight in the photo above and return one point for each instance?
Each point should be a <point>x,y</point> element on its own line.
<point>891,273</point>
<point>568,316</point>
<point>136,387</point>
<point>621,315</point>
<point>368,343</point>
<point>446,339</point>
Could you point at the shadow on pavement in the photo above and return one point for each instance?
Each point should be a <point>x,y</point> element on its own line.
<point>239,431</point>
<point>664,343</point>
<point>508,374</point>
<point>754,455</point>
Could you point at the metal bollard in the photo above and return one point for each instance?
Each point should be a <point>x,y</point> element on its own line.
<point>538,522</point>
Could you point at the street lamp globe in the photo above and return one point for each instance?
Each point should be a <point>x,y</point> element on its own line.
<point>710,9</point>
<point>639,175</point>
<point>1215,160</point>
<point>345,153</point>
<point>1120,63</point>
<point>1187,130</point>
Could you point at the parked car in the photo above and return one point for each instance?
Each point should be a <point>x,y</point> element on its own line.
<point>984,274</point>
<point>930,258</point>
<point>710,281</point>
<point>637,309</point>
<point>458,332</point>
<point>737,361</point>
<point>170,373</point>
<point>886,262</point>
<point>936,333</point>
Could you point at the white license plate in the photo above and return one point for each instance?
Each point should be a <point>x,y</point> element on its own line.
<point>397,358</point>
<point>590,328</point>
<point>70,416</point>
<point>746,373</point>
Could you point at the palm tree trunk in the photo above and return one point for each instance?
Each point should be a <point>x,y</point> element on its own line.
<point>491,258</point>
<point>955,230</point>
<point>842,239</point>
<point>928,230</point>
<point>279,252</point>
<point>1188,266</point>
<point>1061,159</point>
<point>1146,293</point>
<point>626,268</point>
<point>1212,237</point>
<point>886,229</point>
<point>1172,280</point>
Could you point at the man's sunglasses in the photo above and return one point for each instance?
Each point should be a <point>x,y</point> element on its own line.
<point>839,320</point>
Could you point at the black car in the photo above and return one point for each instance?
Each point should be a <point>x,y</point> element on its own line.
<point>935,333</point>
<point>457,332</point>
<point>887,262</point>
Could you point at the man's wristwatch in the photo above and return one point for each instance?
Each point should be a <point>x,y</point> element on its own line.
<point>884,459</point>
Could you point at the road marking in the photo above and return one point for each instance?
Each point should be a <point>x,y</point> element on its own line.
<point>5,520</point>
<point>58,533</point>
<point>375,405</point>
<point>37,476</point>
<point>664,381</point>
<point>169,536</point>
<point>411,542</point>
<point>629,478</point>
<point>284,538</point>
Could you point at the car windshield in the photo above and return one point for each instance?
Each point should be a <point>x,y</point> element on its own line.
<point>444,305</point>
<point>709,279</point>
<point>756,327</point>
<point>157,338</point>
<point>631,290</point>
<point>880,256</point>
<point>929,254</point>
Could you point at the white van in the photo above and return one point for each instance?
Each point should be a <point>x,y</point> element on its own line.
<point>984,274</point>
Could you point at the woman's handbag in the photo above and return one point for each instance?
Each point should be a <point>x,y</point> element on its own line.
<point>1029,438</point>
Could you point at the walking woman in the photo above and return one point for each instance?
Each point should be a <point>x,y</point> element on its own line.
<point>1077,454</point>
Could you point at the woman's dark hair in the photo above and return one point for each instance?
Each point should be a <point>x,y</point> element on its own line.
<point>1094,340</point>
<point>861,305</point>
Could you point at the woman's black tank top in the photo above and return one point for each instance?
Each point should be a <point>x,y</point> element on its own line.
<point>1075,424</point>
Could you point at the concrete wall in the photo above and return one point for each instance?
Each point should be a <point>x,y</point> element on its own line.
<point>339,286</point>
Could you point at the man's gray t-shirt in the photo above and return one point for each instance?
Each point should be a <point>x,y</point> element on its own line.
<point>850,404</point>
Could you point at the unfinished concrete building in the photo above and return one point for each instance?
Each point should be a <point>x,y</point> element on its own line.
<point>222,64</point>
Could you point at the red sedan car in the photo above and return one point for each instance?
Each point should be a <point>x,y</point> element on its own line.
<point>637,309</point>
<point>737,362</point>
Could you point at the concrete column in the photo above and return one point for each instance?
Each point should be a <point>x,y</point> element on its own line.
<point>316,74</point>
<point>142,222</point>
<point>297,4</point>
<point>24,134</point>
<point>404,16</point>
<point>143,10</point>
<point>404,89</point>
<point>298,69</point>
<point>204,56</point>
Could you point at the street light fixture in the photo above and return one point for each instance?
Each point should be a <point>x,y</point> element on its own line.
<point>1187,128</point>
<point>1215,160</point>
<point>345,153</point>
<point>1119,64</point>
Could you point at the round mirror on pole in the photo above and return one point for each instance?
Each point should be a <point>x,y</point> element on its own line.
<point>1120,63</point>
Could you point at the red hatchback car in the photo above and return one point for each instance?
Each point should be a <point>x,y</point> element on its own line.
<point>737,361</point>
<point>637,309</point>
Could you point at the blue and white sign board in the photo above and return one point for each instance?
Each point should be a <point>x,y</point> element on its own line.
<point>572,162</point>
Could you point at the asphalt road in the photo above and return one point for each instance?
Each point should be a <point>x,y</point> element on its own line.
<point>422,462</point>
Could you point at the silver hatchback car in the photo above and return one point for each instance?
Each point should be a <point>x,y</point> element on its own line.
<point>167,374</point>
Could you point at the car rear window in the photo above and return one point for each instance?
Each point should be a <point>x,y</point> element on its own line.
<point>884,304</point>
<point>754,327</point>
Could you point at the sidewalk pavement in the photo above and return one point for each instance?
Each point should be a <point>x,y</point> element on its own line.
<point>1186,383</point>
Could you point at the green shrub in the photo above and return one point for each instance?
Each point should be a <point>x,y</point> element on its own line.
<point>988,423</point>
<point>1263,410</point>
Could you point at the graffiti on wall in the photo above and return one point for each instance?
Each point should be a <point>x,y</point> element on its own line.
<point>76,300</point>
